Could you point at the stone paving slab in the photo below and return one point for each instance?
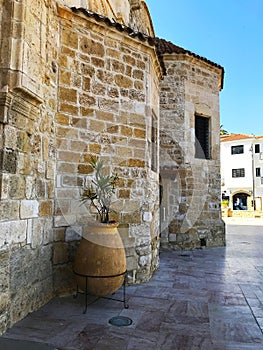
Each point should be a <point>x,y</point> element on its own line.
<point>11,344</point>
<point>207,299</point>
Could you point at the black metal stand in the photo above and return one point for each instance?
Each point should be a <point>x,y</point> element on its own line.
<point>126,306</point>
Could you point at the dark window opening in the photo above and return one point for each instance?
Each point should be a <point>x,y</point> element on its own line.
<point>240,201</point>
<point>238,172</point>
<point>225,197</point>
<point>203,242</point>
<point>202,137</point>
<point>257,148</point>
<point>257,172</point>
<point>237,149</point>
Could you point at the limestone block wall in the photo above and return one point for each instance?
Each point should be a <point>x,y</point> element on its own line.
<point>190,210</point>
<point>27,157</point>
<point>107,87</point>
<point>75,85</point>
<point>72,86</point>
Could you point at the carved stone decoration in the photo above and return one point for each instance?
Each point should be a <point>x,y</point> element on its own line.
<point>5,103</point>
<point>135,4</point>
<point>98,6</point>
<point>140,19</point>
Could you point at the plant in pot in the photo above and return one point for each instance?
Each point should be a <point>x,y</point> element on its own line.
<point>99,190</point>
<point>100,261</point>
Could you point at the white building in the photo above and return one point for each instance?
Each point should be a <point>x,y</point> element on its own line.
<point>242,171</point>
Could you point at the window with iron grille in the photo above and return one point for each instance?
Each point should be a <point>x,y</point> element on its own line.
<point>257,148</point>
<point>257,172</point>
<point>202,137</point>
<point>238,172</point>
<point>237,149</point>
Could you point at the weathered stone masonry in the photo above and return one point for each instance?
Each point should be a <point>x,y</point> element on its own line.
<point>190,215</point>
<point>75,84</point>
<point>72,86</point>
<point>26,160</point>
<point>105,109</point>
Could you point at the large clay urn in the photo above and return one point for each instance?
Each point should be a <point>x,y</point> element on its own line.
<point>100,262</point>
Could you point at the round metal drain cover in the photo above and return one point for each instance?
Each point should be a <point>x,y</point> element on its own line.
<point>120,321</point>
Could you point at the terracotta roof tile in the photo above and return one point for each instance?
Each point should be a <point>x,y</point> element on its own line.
<point>113,23</point>
<point>236,137</point>
<point>163,46</point>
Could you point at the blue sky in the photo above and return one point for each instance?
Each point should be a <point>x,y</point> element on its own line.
<point>227,32</point>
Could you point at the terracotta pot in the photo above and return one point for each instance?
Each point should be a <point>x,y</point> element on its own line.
<point>100,256</point>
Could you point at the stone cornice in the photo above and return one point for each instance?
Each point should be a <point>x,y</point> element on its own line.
<point>199,62</point>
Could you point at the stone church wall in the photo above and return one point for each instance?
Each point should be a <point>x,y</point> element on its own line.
<point>190,210</point>
<point>75,85</point>
<point>107,86</point>
<point>71,87</point>
<point>27,159</point>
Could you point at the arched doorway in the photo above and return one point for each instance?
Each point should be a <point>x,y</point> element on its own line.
<point>240,201</point>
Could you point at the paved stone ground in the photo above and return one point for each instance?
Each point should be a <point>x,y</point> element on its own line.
<point>209,299</point>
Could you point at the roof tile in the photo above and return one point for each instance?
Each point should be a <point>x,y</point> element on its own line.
<point>237,137</point>
<point>164,46</point>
